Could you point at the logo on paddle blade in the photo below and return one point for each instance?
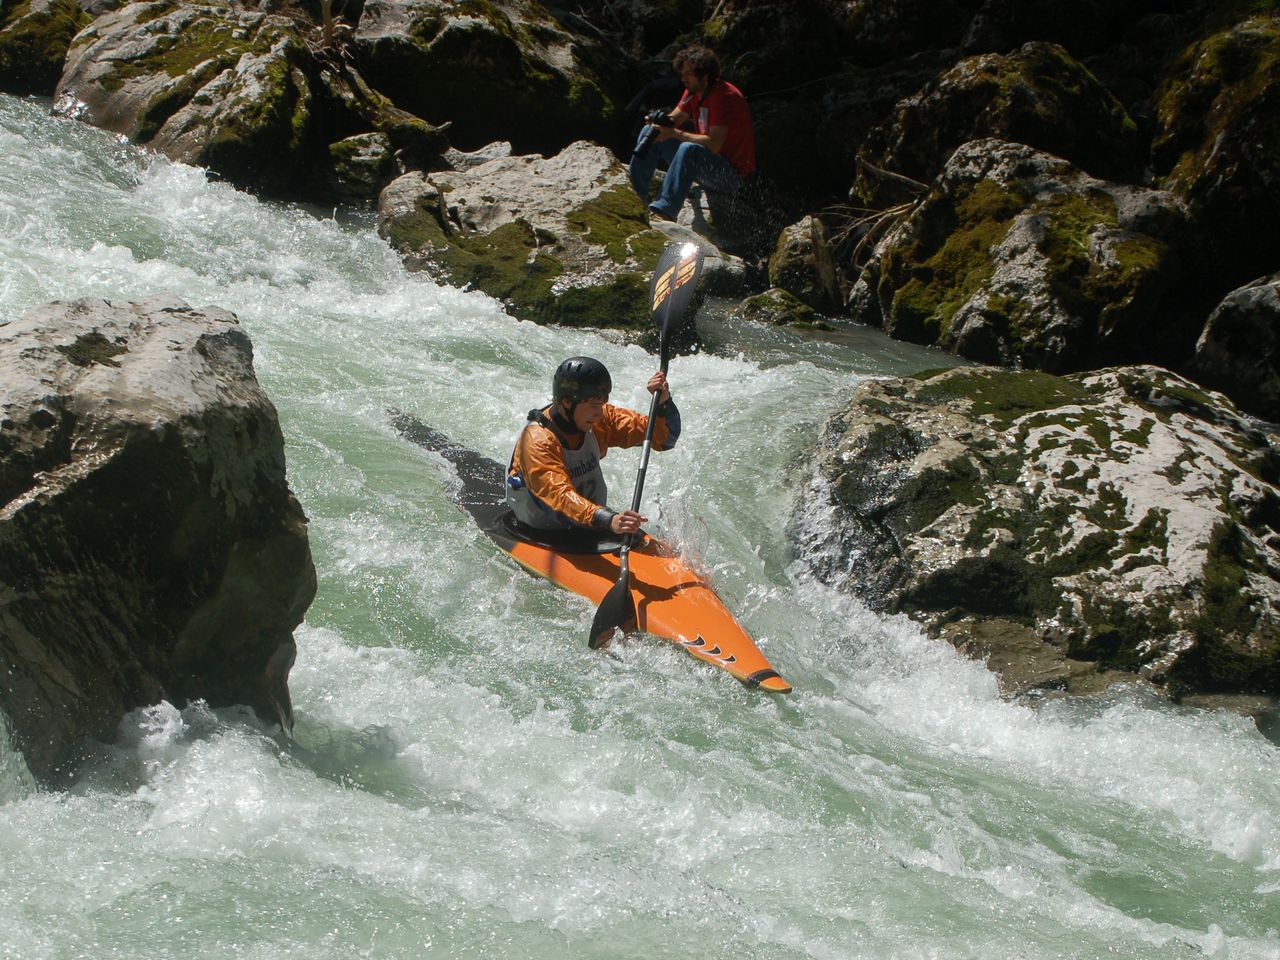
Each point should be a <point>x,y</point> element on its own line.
<point>675,278</point>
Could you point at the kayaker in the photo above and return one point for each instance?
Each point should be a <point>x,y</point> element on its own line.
<point>554,480</point>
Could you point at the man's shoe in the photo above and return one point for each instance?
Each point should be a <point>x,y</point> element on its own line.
<point>656,214</point>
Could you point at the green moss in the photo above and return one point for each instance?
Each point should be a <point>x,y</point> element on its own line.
<point>503,263</point>
<point>1152,531</point>
<point>92,348</point>
<point>623,302</point>
<point>34,46</point>
<point>616,221</point>
<point>586,97</point>
<point>1213,83</point>
<point>1227,609</point>
<point>932,277</point>
<point>1002,396</point>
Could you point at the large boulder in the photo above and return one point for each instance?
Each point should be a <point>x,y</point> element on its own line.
<point>243,93</point>
<point>34,38</point>
<point>1121,519</point>
<point>1239,350</point>
<point>149,545</point>
<point>1016,257</point>
<point>498,70</point>
<point>562,239</point>
<point>1038,95</point>
<point>204,83</point>
<point>1219,149</point>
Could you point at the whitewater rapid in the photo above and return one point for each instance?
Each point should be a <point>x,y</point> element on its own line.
<point>468,781</point>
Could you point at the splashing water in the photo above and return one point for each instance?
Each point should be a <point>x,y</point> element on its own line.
<point>467,781</point>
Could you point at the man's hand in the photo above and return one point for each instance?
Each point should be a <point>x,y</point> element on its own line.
<point>628,521</point>
<point>659,382</point>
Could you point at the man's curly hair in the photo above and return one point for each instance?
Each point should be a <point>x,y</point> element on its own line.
<point>701,60</point>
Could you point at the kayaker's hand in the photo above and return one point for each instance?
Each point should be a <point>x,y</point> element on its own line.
<point>659,382</point>
<point>628,521</point>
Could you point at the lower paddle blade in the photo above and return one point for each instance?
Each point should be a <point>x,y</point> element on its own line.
<point>617,611</point>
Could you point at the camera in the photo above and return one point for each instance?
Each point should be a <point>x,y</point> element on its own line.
<point>655,119</point>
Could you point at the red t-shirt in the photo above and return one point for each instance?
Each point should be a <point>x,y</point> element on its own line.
<point>725,106</point>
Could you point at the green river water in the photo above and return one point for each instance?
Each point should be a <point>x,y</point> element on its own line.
<point>468,781</point>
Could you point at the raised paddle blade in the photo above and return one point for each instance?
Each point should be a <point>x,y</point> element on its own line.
<point>617,611</point>
<point>671,293</point>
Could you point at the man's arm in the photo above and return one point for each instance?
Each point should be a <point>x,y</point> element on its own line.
<point>713,139</point>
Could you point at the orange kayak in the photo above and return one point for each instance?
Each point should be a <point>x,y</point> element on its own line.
<point>672,601</point>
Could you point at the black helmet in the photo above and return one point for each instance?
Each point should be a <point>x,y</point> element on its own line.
<point>580,378</point>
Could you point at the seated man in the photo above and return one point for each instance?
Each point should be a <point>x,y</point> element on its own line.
<point>717,153</point>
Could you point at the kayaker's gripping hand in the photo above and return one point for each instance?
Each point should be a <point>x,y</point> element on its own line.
<point>659,382</point>
<point>628,521</point>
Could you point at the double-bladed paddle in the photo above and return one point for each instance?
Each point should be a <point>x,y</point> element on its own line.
<point>674,281</point>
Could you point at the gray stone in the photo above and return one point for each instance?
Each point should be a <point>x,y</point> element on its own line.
<point>149,545</point>
<point>1121,518</point>
<point>1239,350</point>
<point>801,265</point>
<point>561,239</point>
<point>1018,258</point>
<point>207,84</point>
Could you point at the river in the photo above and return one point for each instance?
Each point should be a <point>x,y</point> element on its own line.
<point>469,781</point>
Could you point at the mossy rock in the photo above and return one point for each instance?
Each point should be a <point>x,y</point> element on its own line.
<point>493,71</point>
<point>1015,257</point>
<point>34,38</point>
<point>1219,146</point>
<point>1119,516</point>
<point>560,240</point>
<point>779,308</point>
<point>208,84</point>
<point>1038,95</point>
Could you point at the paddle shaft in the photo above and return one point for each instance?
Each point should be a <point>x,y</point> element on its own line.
<point>644,464</point>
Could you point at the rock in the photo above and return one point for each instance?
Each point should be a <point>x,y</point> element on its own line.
<point>1121,518</point>
<point>1082,26</point>
<point>1219,147</point>
<point>497,70</point>
<point>562,239</point>
<point>239,92</point>
<point>351,106</point>
<point>1037,95</point>
<point>773,44</point>
<point>779,308</point>
<point>34,38</point>
<point>851,105</point>
<point>802,266</point>
<point>1015,257</point>
<point>206,83</point>
<point>362,165</point>
<point>149,545</point>
<point>462,160</point>
<point>1239,350</point>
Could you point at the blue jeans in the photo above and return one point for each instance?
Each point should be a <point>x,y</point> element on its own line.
<point>687,164</point>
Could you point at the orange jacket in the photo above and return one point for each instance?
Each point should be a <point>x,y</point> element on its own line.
<point>539,458</point>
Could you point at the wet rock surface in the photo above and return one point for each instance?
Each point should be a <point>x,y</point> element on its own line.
<point>1016,257</point>
<point>150,547</point>
<point>1119,520</point>
<point>562,236</point>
